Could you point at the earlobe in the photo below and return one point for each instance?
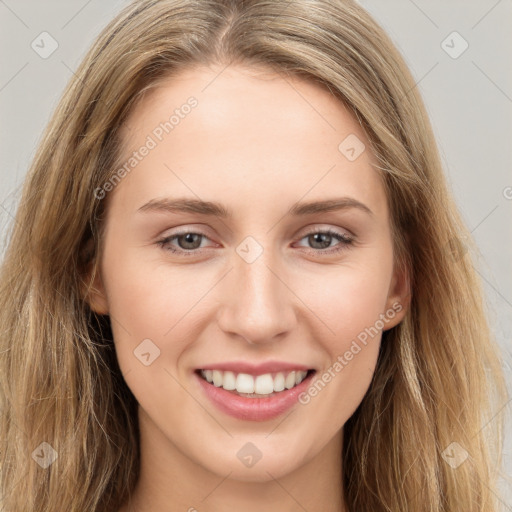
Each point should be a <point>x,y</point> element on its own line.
<point>91,286</point>
<point>97,302</point>
<point>94,294</point>
<point>399,297</point>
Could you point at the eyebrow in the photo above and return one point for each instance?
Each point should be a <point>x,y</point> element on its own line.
<point>212,208</point>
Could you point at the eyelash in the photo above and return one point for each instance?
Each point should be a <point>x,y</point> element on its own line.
<point>345,240</point>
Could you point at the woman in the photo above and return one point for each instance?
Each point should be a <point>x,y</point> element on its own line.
<point>233,279</point>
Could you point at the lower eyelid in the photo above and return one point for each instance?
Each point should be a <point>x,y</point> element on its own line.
<point>342,237</point>
<point>344,241</point>
<point>166,242</point>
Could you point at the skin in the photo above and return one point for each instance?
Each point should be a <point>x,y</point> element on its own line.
<point>257,143</point>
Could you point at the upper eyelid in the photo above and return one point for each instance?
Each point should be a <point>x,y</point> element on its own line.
<point>203,228</point>
<point>315,229</point>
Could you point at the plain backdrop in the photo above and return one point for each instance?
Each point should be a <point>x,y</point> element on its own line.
<point>459,53</point>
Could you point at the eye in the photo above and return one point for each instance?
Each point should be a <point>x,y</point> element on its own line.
<point>321,239</point>
<point>188,243</point>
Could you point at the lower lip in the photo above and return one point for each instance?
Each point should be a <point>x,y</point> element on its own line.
<point>253,409</point>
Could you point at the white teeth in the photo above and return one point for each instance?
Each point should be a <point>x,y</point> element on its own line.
<point>279,382</point>
<point>264,384</point>
<point>217,378</point>
<point>245,383</point>
<point>290,380</point>
<point>229,381</point>
<point>260,385</point>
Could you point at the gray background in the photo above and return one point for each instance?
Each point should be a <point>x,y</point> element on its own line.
<point>469,99</point>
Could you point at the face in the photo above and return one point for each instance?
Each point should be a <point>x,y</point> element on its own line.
<point>254,283</point>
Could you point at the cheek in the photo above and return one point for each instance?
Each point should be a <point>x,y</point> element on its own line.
<point>147,292</point>
<point>349,310</point>
<point>347,299</point>
<point>350,302</point>
<point>151,330</point>
<point>146,302</point>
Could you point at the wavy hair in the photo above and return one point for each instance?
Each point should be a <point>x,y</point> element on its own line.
<point>438,378</point>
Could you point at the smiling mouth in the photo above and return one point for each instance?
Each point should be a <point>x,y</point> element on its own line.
<point>254,386</point>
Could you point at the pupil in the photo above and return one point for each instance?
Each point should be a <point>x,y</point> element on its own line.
<point>189,239</point>
<point>325,243</point>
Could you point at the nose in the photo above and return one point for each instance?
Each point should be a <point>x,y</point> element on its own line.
<point>256,303</point>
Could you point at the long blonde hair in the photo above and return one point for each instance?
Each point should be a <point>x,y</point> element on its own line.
<point>438,379</point>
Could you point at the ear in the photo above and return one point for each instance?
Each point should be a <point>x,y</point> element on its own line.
<point>96,296</point>
<point>93,289</point>
<point>399,296</point>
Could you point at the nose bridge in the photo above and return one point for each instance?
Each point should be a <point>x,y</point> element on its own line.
<point>256,305</point>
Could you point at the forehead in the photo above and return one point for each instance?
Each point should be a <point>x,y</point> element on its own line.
<point>250,130</point>
<point>233,96</point>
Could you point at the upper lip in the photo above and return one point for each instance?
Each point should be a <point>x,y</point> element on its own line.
<point>256,368</point>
